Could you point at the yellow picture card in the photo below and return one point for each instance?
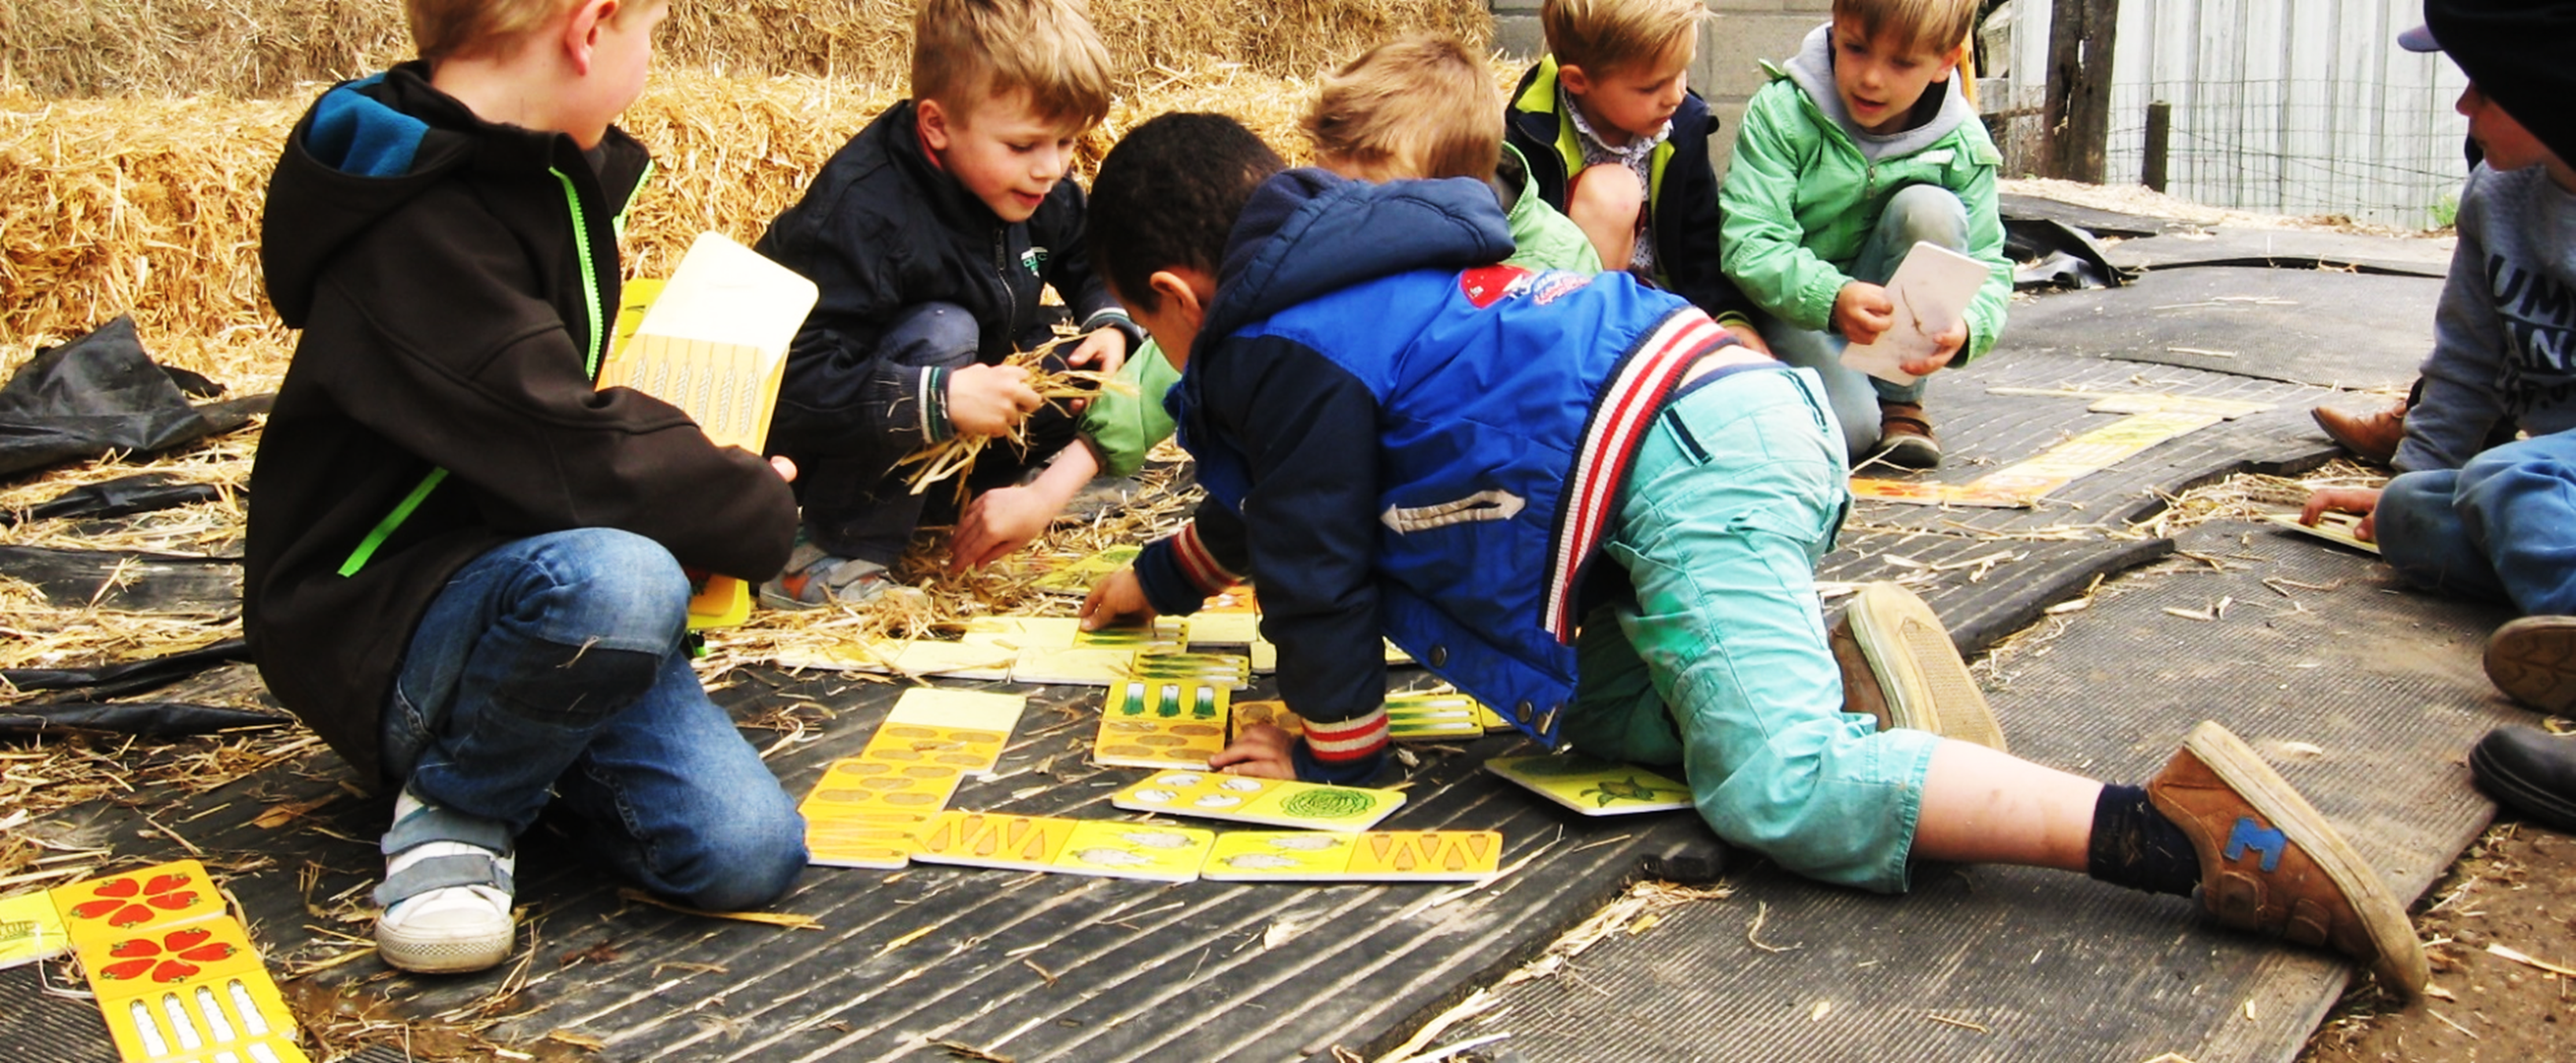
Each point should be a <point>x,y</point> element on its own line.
<point>863,782</point>
<point>1078,574</point>
<point>1225,630</point>
<point>2339,528</point>
<point>1274,713</point>
<point>1094,666</point>
<point>1151,851</point>
<point>1234,671</point>
<point>1161,724</point>
<point>31,929</point>
<point>1434,716</point>
<point>1025,633</point>
<point>1593,787</point>
<point>239,1017</point>
<point>165,956</point>
<point>907,657</point>
<point>975,710</point>
<point>1372,856</point>
<point>1235,599</point>
<point>717,601</point>
<point>1164,634</point>
<point>1270,802</point>
<point>984,839</point>
<point>864,836</point>
<point>122,905</point>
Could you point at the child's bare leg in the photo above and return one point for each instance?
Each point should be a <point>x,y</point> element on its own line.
<point>1604,201</point>
<point>1985,807</point>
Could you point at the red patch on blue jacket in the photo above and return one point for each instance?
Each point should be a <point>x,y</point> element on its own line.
<point>1487,285</point>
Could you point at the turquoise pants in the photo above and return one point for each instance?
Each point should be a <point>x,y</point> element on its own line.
<point>1721,666</point>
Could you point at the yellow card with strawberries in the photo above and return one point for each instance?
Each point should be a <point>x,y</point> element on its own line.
<point>1371,856</point>
<point>1150,851</point>
<point>1273,802</point>
<point>1161,724</point>
<point>118,906</point>
<point>175,975</point>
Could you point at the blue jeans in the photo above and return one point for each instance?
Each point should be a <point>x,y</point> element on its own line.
<point>2501,528</point>
<point>557,664</point>
<point>1914,213</point>
<point>1721,664</point>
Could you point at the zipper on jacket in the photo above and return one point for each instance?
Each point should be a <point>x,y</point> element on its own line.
<point>385,528</point>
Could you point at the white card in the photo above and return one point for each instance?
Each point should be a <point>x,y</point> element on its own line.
<point>1931,290</point>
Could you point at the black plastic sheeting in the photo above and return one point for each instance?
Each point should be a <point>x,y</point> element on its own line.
<point>128,580</point>
<point>155,719</point>
<point>101,394</point>
<point>125,496</point>
<point>128,677</point>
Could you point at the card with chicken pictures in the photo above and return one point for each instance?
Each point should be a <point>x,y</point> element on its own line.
<point>1369,856</point>
<point>1161,724</point>
<point>1593,787</point>
<point>1154,852</point>
<point>121,905</point>
<point>1269,802</point>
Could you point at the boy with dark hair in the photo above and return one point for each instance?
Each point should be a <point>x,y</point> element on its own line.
<point>1862,147</point>
<point>464,567</point>
<point>1616,140</point>
<point>931,234</point>
<point>1382,453</point>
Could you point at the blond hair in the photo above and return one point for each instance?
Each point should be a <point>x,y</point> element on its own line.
<point>1923,25</point>
<point>1602,36</point>
<point>965,51</point>
<point>456,29</point>
<point>1419,107</point>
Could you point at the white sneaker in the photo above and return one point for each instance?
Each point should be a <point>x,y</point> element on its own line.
<point>447,901</point>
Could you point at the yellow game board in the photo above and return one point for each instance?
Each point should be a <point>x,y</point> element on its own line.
<point>1373,856</point>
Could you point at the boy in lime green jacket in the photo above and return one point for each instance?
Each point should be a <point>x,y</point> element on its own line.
<point>1861,147</point>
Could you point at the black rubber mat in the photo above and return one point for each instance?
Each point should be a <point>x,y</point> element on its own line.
<point>2317,327</point>
<point>2227,245</point>
<point>2104,223</point>
<point>2366,698</point>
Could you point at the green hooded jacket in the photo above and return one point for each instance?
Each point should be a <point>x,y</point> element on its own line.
<point>1806,187</point>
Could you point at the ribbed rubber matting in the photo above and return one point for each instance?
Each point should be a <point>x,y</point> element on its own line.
<point>2365,698</point>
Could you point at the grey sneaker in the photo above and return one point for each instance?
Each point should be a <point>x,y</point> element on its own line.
<point>1915,677</point>
<point>814,579</point>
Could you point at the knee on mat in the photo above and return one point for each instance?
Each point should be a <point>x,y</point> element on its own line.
<point>749,859</point>
<point>628,593</point>
<point>1780,803</point>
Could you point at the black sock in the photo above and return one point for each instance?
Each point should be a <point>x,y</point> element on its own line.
<point>2136,846</point>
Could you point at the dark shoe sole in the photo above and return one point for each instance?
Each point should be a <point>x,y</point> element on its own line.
<point>1924,683</point>
<point>1908,451</point>
<point>2401,956</point>
<point>2533,660</point>
<point>2501,781</point>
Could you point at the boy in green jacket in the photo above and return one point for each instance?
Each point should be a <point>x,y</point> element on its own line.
<point>1860,148</point>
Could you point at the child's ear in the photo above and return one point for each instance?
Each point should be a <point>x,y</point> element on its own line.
<point>934,122</point>
<point>581,32</point>
<point>1574,79</point>
<point>1182,293</point>
<point>1950,61</point>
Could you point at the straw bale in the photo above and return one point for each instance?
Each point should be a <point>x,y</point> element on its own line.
<point>271,48</point>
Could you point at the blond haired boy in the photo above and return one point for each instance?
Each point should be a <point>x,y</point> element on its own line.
<point>464,571</point>
<point>1860,147</point>
<point>1615,138</point>
<point>931,234</point>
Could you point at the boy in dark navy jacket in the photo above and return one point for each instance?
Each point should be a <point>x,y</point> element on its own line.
<point>1398,435</point>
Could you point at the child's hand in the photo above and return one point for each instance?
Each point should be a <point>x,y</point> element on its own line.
<point>996,523</point>
<point>1104,350</point>
<point>1261,751</point>
<point>1945,346</point>
<point>786,469</point>
<point>1117,599</point>
<point>2363,501</point>
<point>1862,312</point>
<point>986,400</point>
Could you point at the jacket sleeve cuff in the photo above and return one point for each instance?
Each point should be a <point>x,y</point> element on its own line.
<point>1178,574</point>
<point>1347,753</point>
<point>934,405</point>
<point>1113,317</point>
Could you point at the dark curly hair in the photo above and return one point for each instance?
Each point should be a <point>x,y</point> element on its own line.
<point>1167,195</point>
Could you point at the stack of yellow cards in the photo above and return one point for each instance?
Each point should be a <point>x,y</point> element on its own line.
<point>1154,852</point>
<point>1371,856</point>
<point>1439,716</point>
<point>1271,802</point>
<point>870,810</point>
<point>1593,787</point>
<point>713,342</point>
<point>176,976</point>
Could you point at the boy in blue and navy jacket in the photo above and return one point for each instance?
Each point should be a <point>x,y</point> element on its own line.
<point>1579,500</point>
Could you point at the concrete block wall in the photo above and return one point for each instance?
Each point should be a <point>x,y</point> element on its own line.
<point>1733,42</point>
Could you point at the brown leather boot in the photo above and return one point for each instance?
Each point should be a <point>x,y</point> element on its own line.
<point>1899,665</point>
<point>2372,437</point>
<point>1905,437</point>
<point>2269,862</point>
